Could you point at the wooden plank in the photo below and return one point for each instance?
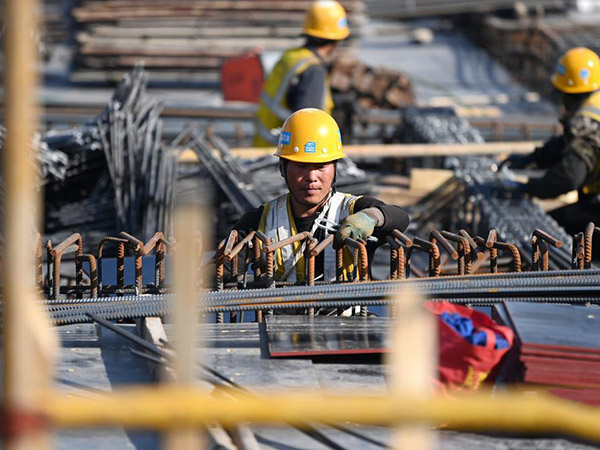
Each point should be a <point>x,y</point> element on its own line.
<point>413,150</point>
<point>427,180</point>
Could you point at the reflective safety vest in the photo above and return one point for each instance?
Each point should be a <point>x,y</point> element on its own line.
<point>273,108</point>
<point>591,109</point>
<point>277,222</point>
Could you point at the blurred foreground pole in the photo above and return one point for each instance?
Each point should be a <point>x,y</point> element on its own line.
<point>29,342</point>
<point>412,365</point>
<point>190,221</point>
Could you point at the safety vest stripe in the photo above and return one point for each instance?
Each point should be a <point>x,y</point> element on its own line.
<point>593,113</point>
<point>274,103</point>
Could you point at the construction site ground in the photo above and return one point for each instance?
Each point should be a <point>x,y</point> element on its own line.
<point>93,361</point>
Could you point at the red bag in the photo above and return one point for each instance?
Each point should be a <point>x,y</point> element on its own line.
<point>462,364</point>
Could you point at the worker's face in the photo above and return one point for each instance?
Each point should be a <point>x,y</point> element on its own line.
<point>310,183</point>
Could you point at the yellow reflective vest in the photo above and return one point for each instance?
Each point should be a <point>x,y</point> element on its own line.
<point>277,223</point>
<point>273,108</point>
<point>591,109</point>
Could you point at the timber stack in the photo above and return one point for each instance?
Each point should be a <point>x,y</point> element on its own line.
<point>373,87</point>
<point>184,41</point>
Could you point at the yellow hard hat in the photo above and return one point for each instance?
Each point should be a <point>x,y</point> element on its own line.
<point>578,71</point>
<point>310,135</point>
<point>326,19</point>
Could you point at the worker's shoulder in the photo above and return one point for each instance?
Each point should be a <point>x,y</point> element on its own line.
<point>585,126</point>
<point>250,220</point>
<point>365,201</point>
<point>587,117</point>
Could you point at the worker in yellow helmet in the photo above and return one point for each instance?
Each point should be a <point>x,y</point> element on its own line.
<point>309,147</point>
<point>300,77</point>
<point>572,158</point>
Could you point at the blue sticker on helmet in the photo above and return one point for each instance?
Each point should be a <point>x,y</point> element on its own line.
<point>343,23</point>
<point>561,69</point>
<point>285,137</point>
<point>584,74</point>
<point>310,147</point>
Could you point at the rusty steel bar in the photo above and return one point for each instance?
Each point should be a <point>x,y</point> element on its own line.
<point>435,267</point>
<point>539,250</point>
<point>232,239</point>
<point>493,252</point>
<point>256,257</point>
<point>49,269</point>
<point>464,251</point>
<point>220,274</point>
<point>91,259</point>
<point>37,248</point>
<point>270,275</point>
<point>291,240</point>
<point>542,235</point>
<point>402,238</point>
<point>394,247</point>
<point>246,241</point>
<point>475,254</point>
<point>135,243</point>
<point>310,267</point>
<point>578,251</point>
<point>57,253</point>
<point>436,236</point>
<point>514,250</point>
<point>321,246</point>
<point>339,265</point>
<point>588,237</point>
<point>121,242</point>
<point>491,238</point>
<point>361,257</point>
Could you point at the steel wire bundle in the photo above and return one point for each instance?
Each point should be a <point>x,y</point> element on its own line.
<point>569,286</point>
<point>119,176</point>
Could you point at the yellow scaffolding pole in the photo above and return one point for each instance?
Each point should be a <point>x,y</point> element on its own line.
<point>29,342</point>
<point>167,407</point>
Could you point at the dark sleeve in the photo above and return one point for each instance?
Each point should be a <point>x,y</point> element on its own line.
<point>308,91</point>
<point>569,174</point>
<point>395,218</point>
<point>249,221</point>
<point>579,157</point>
<point>550,153</point>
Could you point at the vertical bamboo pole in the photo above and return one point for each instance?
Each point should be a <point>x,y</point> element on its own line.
<point>412,366</point>
<point>29,342</point>
<point>189,220</point>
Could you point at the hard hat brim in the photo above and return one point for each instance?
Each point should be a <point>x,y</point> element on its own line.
<point>314,159</point>
<point>574,89</point>
<point>332,36</point>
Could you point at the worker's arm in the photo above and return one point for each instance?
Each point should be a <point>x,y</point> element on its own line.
<point>308,90</point>
<point>371,217</point>
<point>249,221</point>
<point>567,175</point>
<point>389,217</point>
<point>578,160</point>
<point>550,153</point>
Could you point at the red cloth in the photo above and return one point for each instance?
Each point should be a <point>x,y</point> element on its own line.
<point>461,364</point>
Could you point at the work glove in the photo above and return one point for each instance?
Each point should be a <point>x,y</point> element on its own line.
<point>355,226</point>
<point>517,161</point>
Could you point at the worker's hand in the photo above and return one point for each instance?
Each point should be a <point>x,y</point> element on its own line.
<point>517,161</point>
<point>359,225</point>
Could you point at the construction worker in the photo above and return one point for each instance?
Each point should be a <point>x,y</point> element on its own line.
<point>309,146</point>
<point>573,158</point>
<point>300,78</point>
